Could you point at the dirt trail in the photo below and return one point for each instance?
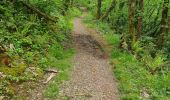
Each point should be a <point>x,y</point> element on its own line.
<point>91,78</point>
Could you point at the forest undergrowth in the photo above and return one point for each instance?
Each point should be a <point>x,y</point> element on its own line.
<point>134,79</point>
<point>34,37</point>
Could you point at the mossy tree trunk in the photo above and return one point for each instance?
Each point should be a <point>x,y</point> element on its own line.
<point>164,25</point>
<point>140,18</point>
<point>131,18</point>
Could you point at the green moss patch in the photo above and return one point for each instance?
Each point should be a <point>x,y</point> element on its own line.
<point>14,71</point>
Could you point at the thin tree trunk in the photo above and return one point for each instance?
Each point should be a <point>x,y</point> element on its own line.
<point>113,5</point>
<point>140,18</point>
<point>164,25</point>
<point>99,5</point>
<point>169,23</point>
<point>131,10</point>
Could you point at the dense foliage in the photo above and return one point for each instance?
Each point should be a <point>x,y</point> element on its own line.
<point>141,28</point>
<point>35,36</point>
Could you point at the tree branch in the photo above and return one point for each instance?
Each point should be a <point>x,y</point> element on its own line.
<point>39,12</point>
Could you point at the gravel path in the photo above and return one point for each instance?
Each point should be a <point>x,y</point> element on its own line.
<point>91,78</point>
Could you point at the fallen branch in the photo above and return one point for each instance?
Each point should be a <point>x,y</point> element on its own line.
<point>39,12</point>
<point>49,78</point>
<point>53,73</point>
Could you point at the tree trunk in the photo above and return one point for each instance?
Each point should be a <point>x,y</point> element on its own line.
<point>99,5</point>
<point>169,23</point>
<point>131,18</point>
<point>164,25</point>
<point>140,18</point>
<point>113,5</point>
